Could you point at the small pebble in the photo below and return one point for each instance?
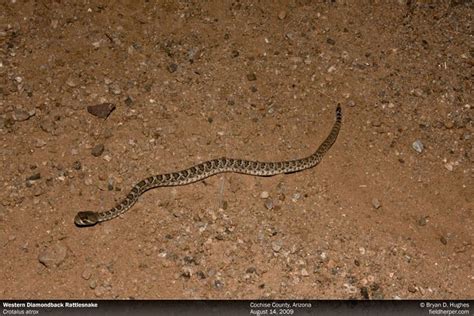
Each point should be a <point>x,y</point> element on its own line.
<point>86,274</point>
<point>97,150</point>
<point>93,284</point>
<point>351,103</point>
<point>128,101</point>
<point>251,270</point>
<point>251,77</point>
<point>77,165</point>
<point>269,204</point>
<point>99,291</point>
<point>418,92</point>
<point>48,126</point>
<point>295,197</point>
<point>53,256</point>
<point>443,240</point>
<point>40,143</point>
<point>276,246</point>
<point>218,284</point>
<point>449,124</point>
<point>264,195</point>
<point>418,146</point>
<point>115,89</point>
<point>330,41</point>
<point>422,221</point>
<point>332,69</point>
<point>282,15</point>
<point>22,115</point>
<point>172,67</point>
<point>102,110</point>
<point>35,176</point>
<point>376,203</point>
<point>71,82</point>
<point>110,184</point>
<point>449,166</point>
<point>304,272</point>
<point>411,289</point>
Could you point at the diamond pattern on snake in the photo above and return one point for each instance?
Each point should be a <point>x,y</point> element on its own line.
<point>209,168</point>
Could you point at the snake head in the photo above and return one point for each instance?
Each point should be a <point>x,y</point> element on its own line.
<point>86,218</point>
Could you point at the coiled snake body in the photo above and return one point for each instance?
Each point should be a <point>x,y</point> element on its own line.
<point>209,168</point>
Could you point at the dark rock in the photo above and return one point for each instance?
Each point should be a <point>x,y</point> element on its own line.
<point>77,165</point>
<point>97,150</point>
<point>364,291</point>
<point>172,67</point>
<point>330,41</point>
<point>102,110</point>
<point>190,260</point>
<point>251,77</point>
<point>35,176</point>
<point>251,270</point>
<point>128,101</point>
<point>443,240</point>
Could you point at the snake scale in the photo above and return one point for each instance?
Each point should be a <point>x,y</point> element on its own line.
<point>208,168</point>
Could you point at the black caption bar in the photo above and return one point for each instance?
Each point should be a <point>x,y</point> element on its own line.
<point>227,308</point>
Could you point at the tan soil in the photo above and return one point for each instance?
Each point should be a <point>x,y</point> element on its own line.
<point>180,75</point>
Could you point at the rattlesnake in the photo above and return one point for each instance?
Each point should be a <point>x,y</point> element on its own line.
<point>209,168</point>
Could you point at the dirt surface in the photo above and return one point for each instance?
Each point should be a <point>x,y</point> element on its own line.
<point>387,214</point>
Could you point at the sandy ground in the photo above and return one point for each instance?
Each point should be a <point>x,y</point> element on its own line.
<point>387,214</point>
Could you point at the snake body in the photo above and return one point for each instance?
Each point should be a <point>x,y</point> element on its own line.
<point>208,168</point>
